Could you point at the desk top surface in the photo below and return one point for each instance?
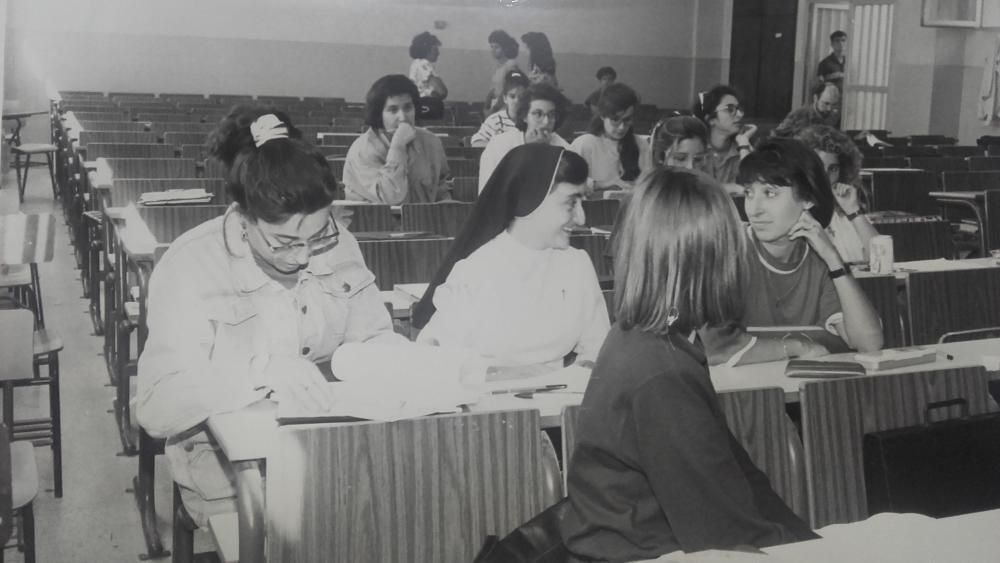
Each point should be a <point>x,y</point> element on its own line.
<point>965,195</point>
<point>970,538</point>
<point>246,434</point>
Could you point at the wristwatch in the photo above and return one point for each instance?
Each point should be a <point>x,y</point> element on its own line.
<point>843,270</point>
<point>853,216</point>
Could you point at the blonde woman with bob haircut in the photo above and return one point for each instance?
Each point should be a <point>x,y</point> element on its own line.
<point>656,468</point>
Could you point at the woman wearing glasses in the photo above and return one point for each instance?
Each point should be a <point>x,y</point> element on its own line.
<point>540,111</point>
<point>728,137</point>
<point>615,154</point>
<point>244,306</point>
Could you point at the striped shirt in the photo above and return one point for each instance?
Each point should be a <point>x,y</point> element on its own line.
<point>495,124</point>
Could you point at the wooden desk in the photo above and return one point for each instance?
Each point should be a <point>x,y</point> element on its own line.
<point>973,201</point>
<point>772,374</point>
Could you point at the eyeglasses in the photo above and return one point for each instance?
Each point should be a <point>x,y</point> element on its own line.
<point>731,109</point>
<point>540,115</point>
<point>322,242</point>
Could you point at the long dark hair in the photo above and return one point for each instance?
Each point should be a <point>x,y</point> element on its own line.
<point>518,185</point>
<point>279,178</point>
<point>615,99</point>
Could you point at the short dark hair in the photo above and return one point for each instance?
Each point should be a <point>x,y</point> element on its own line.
<point>422,44</point>
<point>507,43</point>
<point>788,162</point>
<point>837,35</point>
<point>383,88</point>
<point>541,91</point>
<point>606,71</point>
<point>704,106</point>
<point>279,178</point>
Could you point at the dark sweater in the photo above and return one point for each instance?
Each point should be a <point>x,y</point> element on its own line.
<point>656,468</point>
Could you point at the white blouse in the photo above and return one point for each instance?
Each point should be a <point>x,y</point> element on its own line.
<point>520,306</point>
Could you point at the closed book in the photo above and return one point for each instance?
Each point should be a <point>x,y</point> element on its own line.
<point>896,358</point>
<point>823,369</point>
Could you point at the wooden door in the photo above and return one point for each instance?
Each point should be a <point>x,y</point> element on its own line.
<point>762,56</point>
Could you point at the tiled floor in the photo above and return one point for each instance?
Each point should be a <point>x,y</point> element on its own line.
<point>96,520</point>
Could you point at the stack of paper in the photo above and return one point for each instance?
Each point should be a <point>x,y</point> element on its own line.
<point>170,197</point>
<point>410,291</point>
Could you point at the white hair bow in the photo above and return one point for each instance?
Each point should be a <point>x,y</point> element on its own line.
<point>266,128</point>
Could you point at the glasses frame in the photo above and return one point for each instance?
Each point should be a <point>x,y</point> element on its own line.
<point>309,244</point>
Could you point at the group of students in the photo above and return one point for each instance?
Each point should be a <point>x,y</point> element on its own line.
<point>253,304</point>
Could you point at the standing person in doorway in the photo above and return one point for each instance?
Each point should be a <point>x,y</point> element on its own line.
<point>831,69</point>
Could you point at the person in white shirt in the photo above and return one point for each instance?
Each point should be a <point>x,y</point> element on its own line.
<point>425,50</point>
<point>503,118</point>
<point>245,306</point>
<point>615,154</point>
<point>540,111</point>
<point>512,288</point>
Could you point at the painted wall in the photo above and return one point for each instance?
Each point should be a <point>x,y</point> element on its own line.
<point>339,47</point>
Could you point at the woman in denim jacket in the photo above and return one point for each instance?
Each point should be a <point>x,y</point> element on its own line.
<point>244,307</point>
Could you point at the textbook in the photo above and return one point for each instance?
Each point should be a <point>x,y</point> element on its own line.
<point>174,197</point>
<point>893,358</point>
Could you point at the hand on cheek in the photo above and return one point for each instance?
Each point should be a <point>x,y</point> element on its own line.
<point>808,228</point>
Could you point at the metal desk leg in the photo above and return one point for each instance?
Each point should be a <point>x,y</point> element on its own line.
<point>250,509</point>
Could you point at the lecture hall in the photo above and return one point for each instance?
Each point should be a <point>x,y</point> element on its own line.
<point>500,281</point>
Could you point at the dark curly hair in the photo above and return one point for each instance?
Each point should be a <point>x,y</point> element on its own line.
<point>541,91</point>
<point>507,43</point>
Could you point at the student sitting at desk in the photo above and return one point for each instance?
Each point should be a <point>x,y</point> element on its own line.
<point>615,154</point>
<point>394,161</point>
<point>511,288</point>
<point>656,468</point>
<point>795,276</point>
<point>245,305</point>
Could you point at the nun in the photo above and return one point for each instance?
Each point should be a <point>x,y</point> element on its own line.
<point>512,288</point>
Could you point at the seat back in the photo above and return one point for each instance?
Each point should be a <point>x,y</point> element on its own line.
<point>370,218</point>
<point>97,124</point>
<point>415,491</point>
<point>836,414</point>
<point>404,261</point>
<point>465,188</point>
<point>903,190</point>
<point>151,168</point>
<point>955,181</point>
<point>87,137</point>
<point>129,150</point>
<point>596,246</point>
<point>918,238</point>
<point>884,295</point>
<point>979,163</point>
<point>941,302</point>
<point>6,486</point>
<point>166,223</point>
<point>27,239</point>
<point>445,219</point>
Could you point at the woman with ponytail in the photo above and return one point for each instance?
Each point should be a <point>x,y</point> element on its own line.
<point>245,306</point>
<point>615,154</point>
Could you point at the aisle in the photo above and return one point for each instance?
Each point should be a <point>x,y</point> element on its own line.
<point>96,520</point>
